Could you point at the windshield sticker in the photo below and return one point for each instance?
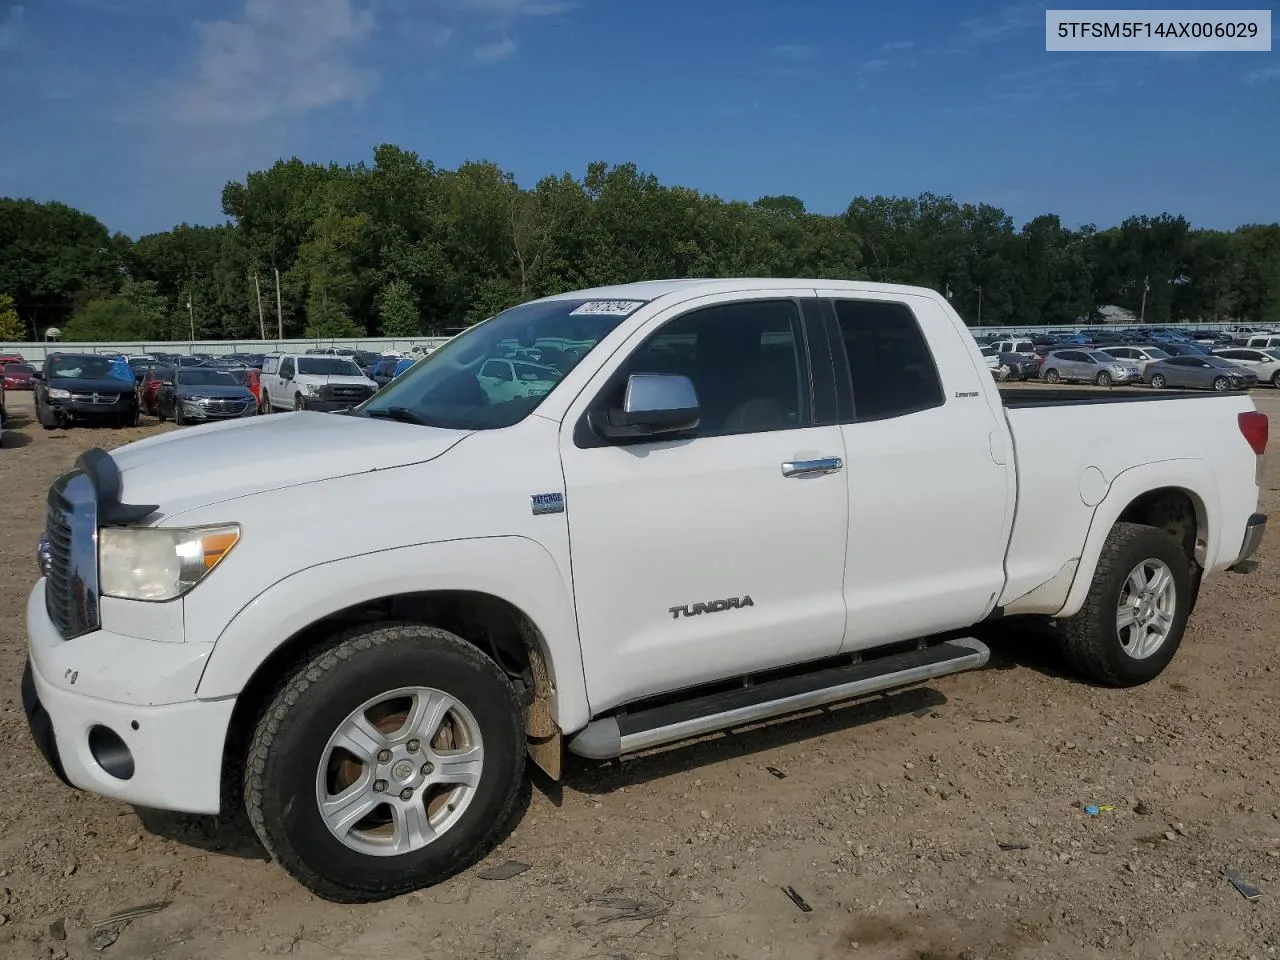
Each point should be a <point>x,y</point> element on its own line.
<point>611,308</point>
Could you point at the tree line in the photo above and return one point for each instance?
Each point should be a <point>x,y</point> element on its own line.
<point>401,247</point>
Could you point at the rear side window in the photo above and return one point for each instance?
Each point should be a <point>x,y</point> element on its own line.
<point>269,364</point>
<point>890,364</point>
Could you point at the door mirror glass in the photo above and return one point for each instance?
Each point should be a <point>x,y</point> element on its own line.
<point>655,404</point>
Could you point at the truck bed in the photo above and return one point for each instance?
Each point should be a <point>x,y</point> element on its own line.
<point>1023,397</point>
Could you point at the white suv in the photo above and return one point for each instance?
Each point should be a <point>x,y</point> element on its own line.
<point>300,381</point>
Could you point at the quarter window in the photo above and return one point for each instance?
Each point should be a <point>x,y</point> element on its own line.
<point>890,365</point>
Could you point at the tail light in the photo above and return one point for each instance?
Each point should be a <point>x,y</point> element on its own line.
<point>1256,430</point>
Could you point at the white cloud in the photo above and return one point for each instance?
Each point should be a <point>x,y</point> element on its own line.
<point>897,45</point>
<point>873,66</point>
<point>1263,75</point>
<point>11,26</point>
<point>496,50</point>
<point>519,8</point>
<point>281,58</point>
<point>1007,21</point>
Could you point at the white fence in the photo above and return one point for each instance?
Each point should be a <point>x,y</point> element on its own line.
<point>36,352</point>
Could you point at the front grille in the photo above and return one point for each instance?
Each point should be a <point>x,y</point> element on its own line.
<point>95,398</point>
<point>71,584</point>
<point>345,391</point>
<point>224,405</point>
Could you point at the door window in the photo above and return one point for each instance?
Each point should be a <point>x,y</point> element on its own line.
<point>746,362</point>
<point>286,368</point>
<point>890,365</point>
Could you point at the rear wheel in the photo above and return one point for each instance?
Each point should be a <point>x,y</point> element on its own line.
<point>1220,384</point>
<point>1103,379</point>
<point>1136,611</point>
<point>266,403</point>
<point>1158,381</point>
<point>1275,379</point>
<point>1052,376</point>
<point>389,762</point>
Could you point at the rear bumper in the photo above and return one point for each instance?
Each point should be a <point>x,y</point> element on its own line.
<point>1253,533</point>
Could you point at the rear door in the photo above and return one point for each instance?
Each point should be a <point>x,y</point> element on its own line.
<point>929,470</point>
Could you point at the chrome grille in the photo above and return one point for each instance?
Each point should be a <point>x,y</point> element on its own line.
<point>224,404</point>
<point>102,398</point>
<point>71,574</point>
<point>339,391</point>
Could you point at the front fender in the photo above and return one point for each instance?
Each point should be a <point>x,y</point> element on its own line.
<point>1196,477</point>
<point>515,569</point>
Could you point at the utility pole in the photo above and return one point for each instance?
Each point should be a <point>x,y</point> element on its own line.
<point>979,306</point>
<point>1146,285</point>
<point>191,311</point>
<point>262,323</point>
<point>279,310</point>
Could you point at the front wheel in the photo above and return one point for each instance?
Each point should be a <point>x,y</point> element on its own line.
<point>1136,610</point>
<point>1220,384</point>
<point>389,762</point>
<point>1275,379</point>
<point>298,406</point>
<point>1052,376</point>
<point>1103,379</point>
<point>1158,381</point>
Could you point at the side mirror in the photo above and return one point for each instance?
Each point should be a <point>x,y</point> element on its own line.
<point>655,405</point>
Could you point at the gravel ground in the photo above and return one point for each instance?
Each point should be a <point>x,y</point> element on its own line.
<point>886,817</point>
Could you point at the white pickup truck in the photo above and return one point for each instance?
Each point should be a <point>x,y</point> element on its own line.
<point>738,499</point>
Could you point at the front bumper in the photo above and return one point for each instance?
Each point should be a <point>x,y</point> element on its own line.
<point>1253,533</point>
<point>73,410</point>
<point>176,747</point>
<point>193,411</point>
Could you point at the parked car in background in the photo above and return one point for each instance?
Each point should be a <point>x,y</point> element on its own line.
<point>251,377</point>
<point>183,360</point>
<point>292,381</point>
<point>149,388</point>
<point>1264,341</point>
<point>199,394</point>
<point>1088,366</point>
<point>1186,349</point>
<point>1022,346</point>
<point>140,366</point>
<point>384,370</point>
<point>1264,364</point>
<point>8,358</point>
<point>19,376</point>
<point>1017,366</point>
<point>85,388</point>
<point>1138,356</point>
<point>1198,372</point>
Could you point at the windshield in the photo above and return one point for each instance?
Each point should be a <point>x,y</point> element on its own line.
<point>13,368</point>
<point>1155,353</point>
<point>328,367</point>
<point>89,368</point>
<point>205,377</point>
<point>1272,353</point>
<point>497,372</point>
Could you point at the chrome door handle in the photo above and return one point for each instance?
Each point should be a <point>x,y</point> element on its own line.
<point>812,468</point>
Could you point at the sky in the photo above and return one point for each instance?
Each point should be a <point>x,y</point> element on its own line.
<point>139,111</point>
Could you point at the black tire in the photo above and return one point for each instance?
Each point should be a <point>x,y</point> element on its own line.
<point>284,755</point>
<point>1052,376</point>
<point>1103,379</point>
<point>47,419</point>
<point>1091,639</point>
<point>298,406</point>
<point>178,416</point>
<point>1158,381</point>
<point>1275,379</point>
<point>1220,384</point>
<point>266,402</point>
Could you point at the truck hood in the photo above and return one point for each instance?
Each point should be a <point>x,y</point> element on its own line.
<point>198,466</point>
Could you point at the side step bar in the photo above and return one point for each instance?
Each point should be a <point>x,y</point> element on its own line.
<point>614,736</point>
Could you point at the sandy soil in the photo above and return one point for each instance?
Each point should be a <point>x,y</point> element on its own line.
<point>886,817</point>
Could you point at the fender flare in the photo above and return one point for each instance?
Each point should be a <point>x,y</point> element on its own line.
<point>515,569</point>
<point>1194,476</point>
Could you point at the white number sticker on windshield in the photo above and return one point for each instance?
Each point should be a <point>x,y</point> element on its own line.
<point>613,308</point>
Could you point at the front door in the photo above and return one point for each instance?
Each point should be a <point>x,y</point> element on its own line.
<point>714,556</point>
<point>929,472</point>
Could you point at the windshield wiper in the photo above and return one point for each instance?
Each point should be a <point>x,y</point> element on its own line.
<point>403,414</point>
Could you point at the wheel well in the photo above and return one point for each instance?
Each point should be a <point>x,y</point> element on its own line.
<point>496,627</point>
<point>1177,512</point>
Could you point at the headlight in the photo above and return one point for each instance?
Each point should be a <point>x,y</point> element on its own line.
<point>57,393</point>
<point>311,388</point>
<point>155,563</point>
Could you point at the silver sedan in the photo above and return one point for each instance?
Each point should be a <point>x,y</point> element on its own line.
<point>1206,373</point>
<point>1088,366</point>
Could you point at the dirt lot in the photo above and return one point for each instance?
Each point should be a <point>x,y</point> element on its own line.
<point>886,817</point>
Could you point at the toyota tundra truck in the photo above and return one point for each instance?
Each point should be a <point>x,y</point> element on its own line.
<point>732,500</point>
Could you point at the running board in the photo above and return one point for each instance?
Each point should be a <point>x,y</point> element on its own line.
<point>614,736</point>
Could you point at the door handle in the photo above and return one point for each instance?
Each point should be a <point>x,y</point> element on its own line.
<point>812,468</point>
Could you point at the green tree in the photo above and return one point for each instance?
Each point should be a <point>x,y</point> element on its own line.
<point>109,319</point>
<point>12,329</point>
<point>399,311</point>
